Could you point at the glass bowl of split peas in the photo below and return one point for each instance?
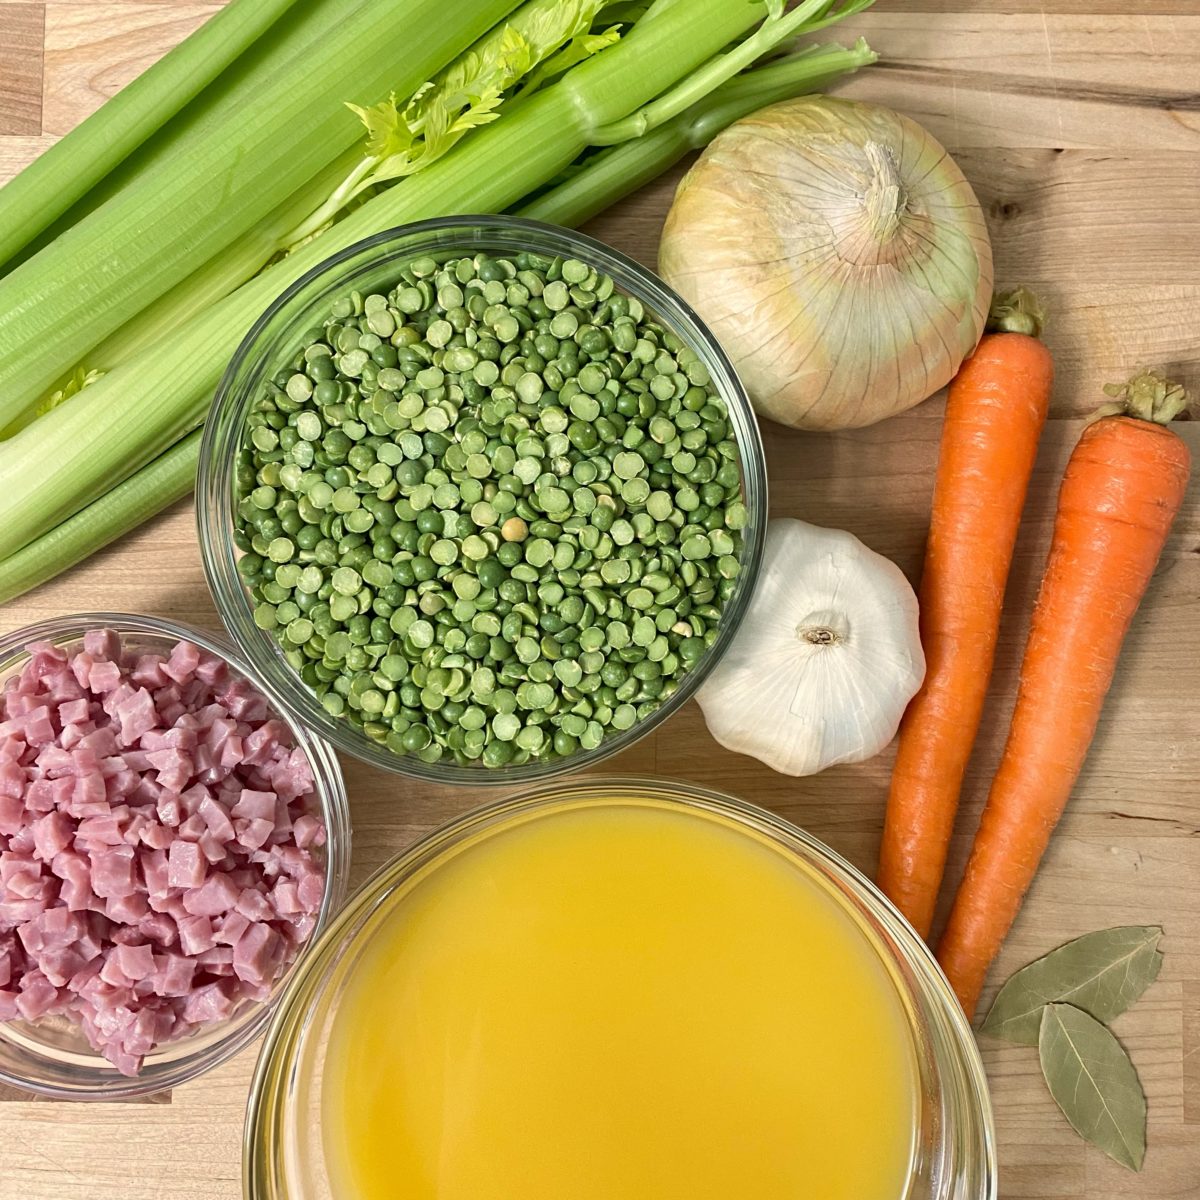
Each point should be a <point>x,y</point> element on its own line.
<point>482,500</point>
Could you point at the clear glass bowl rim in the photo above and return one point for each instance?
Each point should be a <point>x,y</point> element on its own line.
<point>105,1083</point>
<point>222,434</point>
<point>275,1072</point>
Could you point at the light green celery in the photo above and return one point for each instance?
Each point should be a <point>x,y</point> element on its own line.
<point>230,171</point>
<point>778,27</point>
<point>168,478</point>
<point>212,282</point>
<point>72,455</point>
<point>47,188</point>
<point>617,171</point>
<point>409,133</point>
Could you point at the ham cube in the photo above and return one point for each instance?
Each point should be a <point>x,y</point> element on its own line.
<point>174,975</point>
<point>89,797</point>
<point>52,834</point>
<point>182,664</point>
<point>174,768</point>
<point>254,905</point>
<point>209,1004</point>
<point>148,671</point>
<point>195,935</point>
<point>74,712</point>
<point>257,954</point>
<point>102,644</point>
<point>104,678</point>
<point>186,865</point>
<point>112,872</point>
<point>37,996</point>
<point>137,716</point>
<point>217,895</point>
<point>136,962</point>
<point>12,779</point>
<point>254,805</point>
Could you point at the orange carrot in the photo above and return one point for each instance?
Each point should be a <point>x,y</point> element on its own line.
<point>994,416</point>
<point>1122,488</point>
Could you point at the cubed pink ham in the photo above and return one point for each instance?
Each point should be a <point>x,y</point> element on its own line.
<point>194,828</point>
<point>308,831</point>
<point>174,768</point>
<point>52,834</point>
<point>262,742</point>
<point>137,716</point>
<point>231,928</point>
<point>37,727</point>
<point>148,671</point>
<point>112,872</point>
<point>37,996</point>
<point>108,829</point>
<point>136,962</point>
<point>209,1004</point>
<point>104,677</point>
<point>217,895</point>
<point>156,847</point>
<point>253,905</point>
<point>195,935</point>
<point>173,976</point>
<point>76,875</point>
<point>186,865</point>
<point>89,798</point>
<point>12,815</point>
<point>170,808</point>
<point>254,834</point>
<point>74,712</point>
<point>286,898</point>
<point>257,954</point>
<point>156,836</point>
<point>216,817</point>
<point>254,805</point>
<point>13,779</point>
<point>211,669</point>
<point>160,928</point>
<point>127,910</point>
<point>102,644</point>
<point>182,664</point>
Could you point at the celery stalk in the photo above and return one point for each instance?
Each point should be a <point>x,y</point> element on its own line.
<point>43,192</point>
<point>73,454</point>
<point>168,478</point>
<point>615,172</point>
<point>230,171</point>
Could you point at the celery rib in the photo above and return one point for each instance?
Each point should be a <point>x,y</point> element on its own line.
<point>140,408</point>
<point>76,163</point>
<point>168,478</point>
<point>617,171</point>
<point>228,174</point>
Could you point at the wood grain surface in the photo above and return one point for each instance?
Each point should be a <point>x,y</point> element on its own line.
<point>1078,121</point>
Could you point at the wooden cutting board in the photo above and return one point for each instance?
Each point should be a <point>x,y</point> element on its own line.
<point>1078,121</point>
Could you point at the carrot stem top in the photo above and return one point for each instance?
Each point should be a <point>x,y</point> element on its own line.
<point>1018,311</point>
<point>1148,396</point>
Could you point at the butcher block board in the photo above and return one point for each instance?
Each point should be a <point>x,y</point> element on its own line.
<point>1078,121</point>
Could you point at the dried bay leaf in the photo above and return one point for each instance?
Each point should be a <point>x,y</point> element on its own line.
<point>1101,973</point>
<point>1094,1082</point>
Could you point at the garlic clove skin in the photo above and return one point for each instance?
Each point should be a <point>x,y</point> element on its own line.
<point>827,657</point>
<point>839,256</point>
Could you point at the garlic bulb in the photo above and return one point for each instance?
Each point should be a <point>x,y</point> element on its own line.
<point>839,256</point>
<point>827,657</point>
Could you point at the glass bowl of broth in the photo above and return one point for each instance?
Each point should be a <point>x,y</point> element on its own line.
<point>619,988</point>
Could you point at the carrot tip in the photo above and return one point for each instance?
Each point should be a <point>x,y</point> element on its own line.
<point>1018,311</point>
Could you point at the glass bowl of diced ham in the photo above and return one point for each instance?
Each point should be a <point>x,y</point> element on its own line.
<point>169,846</point>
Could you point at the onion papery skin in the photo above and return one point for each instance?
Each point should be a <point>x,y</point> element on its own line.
<point>838,254</point>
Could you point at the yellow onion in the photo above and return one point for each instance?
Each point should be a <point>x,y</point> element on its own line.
<point>839,256</point>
